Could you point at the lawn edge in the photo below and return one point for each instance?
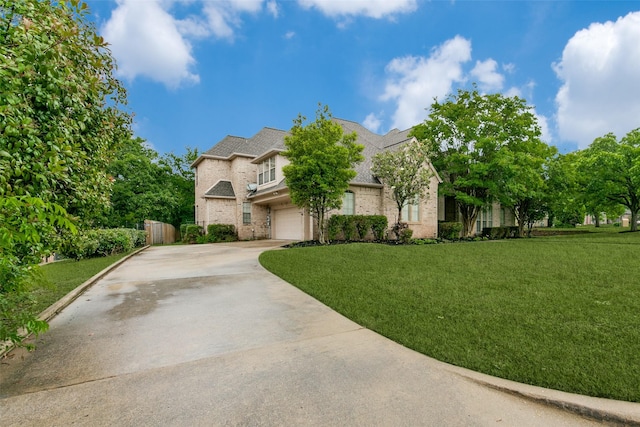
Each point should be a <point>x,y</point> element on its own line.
<point>54,309</point>
<point>618,412</point>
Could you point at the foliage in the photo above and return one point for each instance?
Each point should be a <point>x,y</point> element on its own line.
<point>102,242</point>
<point>472,137</point>
<point>321,165</point>
<point>564,191</point>
<point>221,233</point>
<point>449,230</point>
<point>60,117</point>
<point>551,311</point>
<point>25,223</point>
<point>191,233</point>
<point>147,186</point>
<point>614,172</point>
<point>405,234</point>
<point>500,232</point>
<point>60,122</point>
<point>405,171</point>
<point>351,226</point>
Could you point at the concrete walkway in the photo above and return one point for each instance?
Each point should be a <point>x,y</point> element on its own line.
<point>202,335</point>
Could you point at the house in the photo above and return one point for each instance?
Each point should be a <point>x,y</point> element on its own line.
<point>240,181</point>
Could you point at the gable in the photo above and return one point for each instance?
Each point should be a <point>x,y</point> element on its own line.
<point>222,189</point>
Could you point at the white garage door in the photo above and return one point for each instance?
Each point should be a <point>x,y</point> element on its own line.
<point>288,224</point>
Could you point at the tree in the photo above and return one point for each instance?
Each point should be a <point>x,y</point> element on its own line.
<point>321,165</point>
<point>405,171</point>
<point>615,167</point>
<point>522,186</point>
<point>147,186</point>
<point>60,122</point>
<point>466,134</point>
<point>564,190</point>
<point>60,105</point>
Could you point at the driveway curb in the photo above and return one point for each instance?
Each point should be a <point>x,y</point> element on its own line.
<point>50,312</point>
<point>610,411</point>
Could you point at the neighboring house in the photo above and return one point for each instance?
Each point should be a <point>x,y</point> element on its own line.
<point>493,215</point>
<point>240,181</point>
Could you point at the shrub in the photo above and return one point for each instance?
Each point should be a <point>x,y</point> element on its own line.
<point>101,242</point>
<point>379,224</point>
<point>349,228</point>
<point>363,225</point>
<point>405,234</point>
<point>221,233</point>
<point>334,226</point>
<point>449,230</point>
<point>191,233</point>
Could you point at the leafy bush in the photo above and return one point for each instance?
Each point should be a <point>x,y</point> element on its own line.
<point>379,225</point>
<point>351,227</point>
<point>405,234</point>
<point>500,232</point>
<point>101,242</point>
<point>221,233</point>
<point>449,230</point>
<point>191,233</point>
<point>334,226</point>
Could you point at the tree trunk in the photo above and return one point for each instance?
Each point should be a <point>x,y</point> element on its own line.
<point>634,220</point>
<point>597,217</point>
<point>469,214</point>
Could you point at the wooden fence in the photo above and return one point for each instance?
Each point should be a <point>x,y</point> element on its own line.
<point>159,232</point>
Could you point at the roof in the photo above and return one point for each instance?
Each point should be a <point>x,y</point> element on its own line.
<point>269,140</point>
<point>222,189</point>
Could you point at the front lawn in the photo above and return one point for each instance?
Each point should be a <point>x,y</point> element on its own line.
<point>561,312</point>
<point>60,278</point>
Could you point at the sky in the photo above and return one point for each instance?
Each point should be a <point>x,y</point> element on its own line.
<point>198,70</point>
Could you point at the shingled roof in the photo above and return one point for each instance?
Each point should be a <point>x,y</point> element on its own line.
<point>270,139</point>
<point>221,189</point>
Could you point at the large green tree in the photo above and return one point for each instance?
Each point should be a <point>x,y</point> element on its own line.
<point>322,161</point>
<point>149,186</point>
<point>405,171</point>
<point>564,191</point>
<point>61,119</point>
<point>522,179</point>
<point>466,135</point>
<point>615,170</point>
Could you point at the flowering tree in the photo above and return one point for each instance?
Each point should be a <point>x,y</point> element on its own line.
<point>405,172</point>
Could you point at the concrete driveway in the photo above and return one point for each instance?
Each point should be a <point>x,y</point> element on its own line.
<point>202,335</point>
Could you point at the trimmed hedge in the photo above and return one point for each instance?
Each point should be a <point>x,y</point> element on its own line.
<point>221,233</point>
<point>449,230</point>
<point>357,227</point>
<point>191,233</point>
<point>500,232</point>
<point>101,242</point>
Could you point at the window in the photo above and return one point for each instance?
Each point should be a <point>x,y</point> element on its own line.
<point>411,211</point>
<point>349,203</point>
<point>485,219</point>
<point>246,213</point>
<point>267,171</point>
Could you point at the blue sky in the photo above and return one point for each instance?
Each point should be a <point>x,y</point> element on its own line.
<point>197,70</point>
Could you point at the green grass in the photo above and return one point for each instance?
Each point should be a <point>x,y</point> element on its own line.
<point>561,312</point>
<point>60,278</point>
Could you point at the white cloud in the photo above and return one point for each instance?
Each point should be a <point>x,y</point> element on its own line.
<point>413,82</point>
<point>599,69</point>
<point>372,122</point>
<point>488,78</point>
<point>370,8</point>
<point>272,7</point>
<point>146,41</point>
<point>289,35</point>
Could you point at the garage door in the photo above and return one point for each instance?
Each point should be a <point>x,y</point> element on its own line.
<point>288,224</point>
